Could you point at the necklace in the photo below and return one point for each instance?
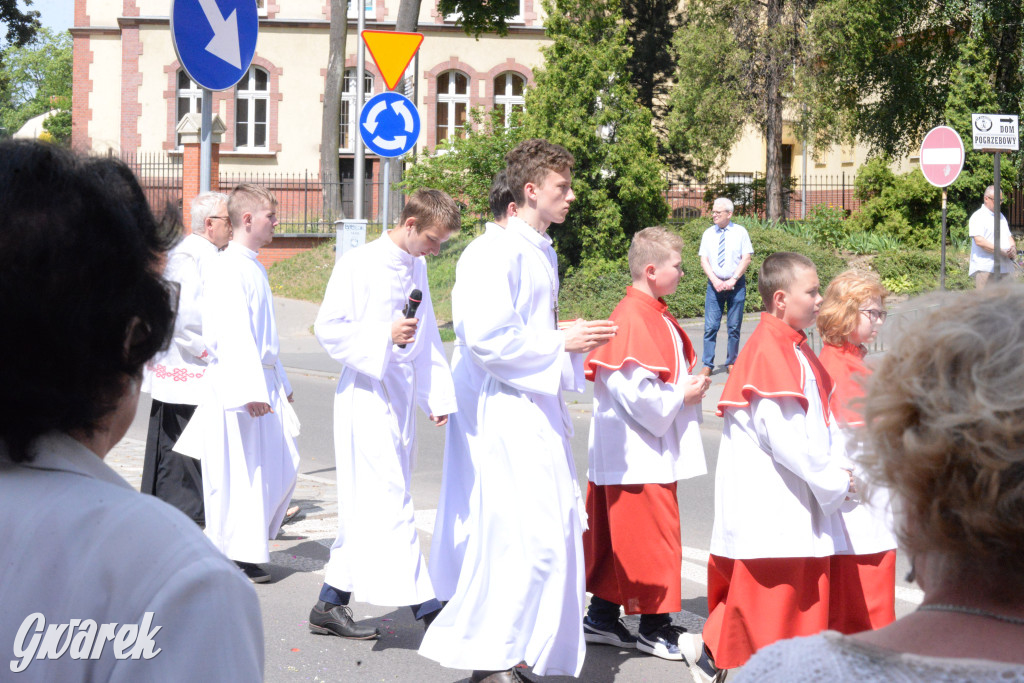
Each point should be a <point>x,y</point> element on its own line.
<point>1016,621</point>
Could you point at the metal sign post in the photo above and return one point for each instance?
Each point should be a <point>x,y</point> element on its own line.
<point>942,159</point>
<point>995,133</point>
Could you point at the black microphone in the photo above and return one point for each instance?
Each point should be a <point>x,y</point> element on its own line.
<point>415,296</point>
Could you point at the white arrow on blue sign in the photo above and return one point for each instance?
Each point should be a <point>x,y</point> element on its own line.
<point>389,124</point>
<point>215,39</point>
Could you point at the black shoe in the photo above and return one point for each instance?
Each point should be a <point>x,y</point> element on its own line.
<point>614,633</point>
<point>668,642</point>
<point>512,675</point>
<point>706,669</point>
<point>254,572</point>
<point>326,620</point>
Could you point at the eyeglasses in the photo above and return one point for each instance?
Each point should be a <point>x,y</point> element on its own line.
<point>719,213</point>
<point>223,218</point>
<point>990,197</point>
<point>875,315</point>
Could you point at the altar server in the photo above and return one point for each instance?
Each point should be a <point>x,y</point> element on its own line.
<point>452,526</point>
<point>862,577</point>
<point>520,593</point>
<point>244,430</point>
<point>175,377</point>
<point>391,362</point>
<point>778,484</point>
<point>645,436</point>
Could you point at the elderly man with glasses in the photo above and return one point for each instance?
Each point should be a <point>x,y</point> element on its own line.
<point>981,229</point>
<point>725,253</point>
<point>175,378</point>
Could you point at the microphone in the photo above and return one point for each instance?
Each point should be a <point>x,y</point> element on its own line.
<point>415,297</point>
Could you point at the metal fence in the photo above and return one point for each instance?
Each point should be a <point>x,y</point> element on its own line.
<point>304,207</point>
<point>748,194</point>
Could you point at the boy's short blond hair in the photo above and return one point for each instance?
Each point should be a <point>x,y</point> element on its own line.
<point>652,246</point>
<point>778,273</point>
<point>432,208</point>
<point>845,296</point>
<point>248,198</point>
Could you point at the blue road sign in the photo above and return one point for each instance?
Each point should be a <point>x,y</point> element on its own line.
<point>389,124</point>
<point>215,39</point>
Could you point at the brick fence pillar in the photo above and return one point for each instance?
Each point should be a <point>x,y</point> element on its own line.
<point>189,128</point>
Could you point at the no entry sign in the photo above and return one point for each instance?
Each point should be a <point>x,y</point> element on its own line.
<point>942,156</point>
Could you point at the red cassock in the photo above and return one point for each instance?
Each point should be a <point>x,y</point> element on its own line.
<point>633,548</point>
<point>863,587</point>
<point>753,603</point>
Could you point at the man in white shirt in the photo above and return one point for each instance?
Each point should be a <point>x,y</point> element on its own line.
<point>725,253</point>
<point>981,229</point>
<point>175,378</point>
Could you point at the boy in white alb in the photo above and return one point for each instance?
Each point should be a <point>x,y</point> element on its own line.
<point>645,436</point>
<point>392,362</point>
<point>453,524</point>
<point>778,484</point>
<point>520,592</point>
<point>244,431</point>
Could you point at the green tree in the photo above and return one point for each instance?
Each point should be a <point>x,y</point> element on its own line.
<point>583,100</point>
<point>36,78</point>
<point>21,24</point>
<point>882,70</point>
<point>464,166</point>
<point>735,65</point>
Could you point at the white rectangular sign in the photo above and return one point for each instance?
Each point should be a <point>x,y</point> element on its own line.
<point>994,132</point>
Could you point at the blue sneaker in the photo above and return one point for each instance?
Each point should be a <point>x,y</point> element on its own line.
<point>614,633</point>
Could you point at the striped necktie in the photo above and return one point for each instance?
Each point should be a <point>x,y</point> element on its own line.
<point>721,247</point>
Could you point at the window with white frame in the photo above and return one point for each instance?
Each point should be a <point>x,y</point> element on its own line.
<point>353,9</point>
<point>252,106</point>
<point>190,100</point>
<point>452,104</point>
<point>349,116</point>
<point>508,94</point>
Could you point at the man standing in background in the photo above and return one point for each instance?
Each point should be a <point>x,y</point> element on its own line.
<point>725,253</point>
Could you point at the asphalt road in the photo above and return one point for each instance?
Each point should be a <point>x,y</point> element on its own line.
<point>299,553</point>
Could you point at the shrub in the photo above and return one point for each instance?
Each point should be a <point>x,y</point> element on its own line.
<point>827,225</point>
<point>592,289</point>
<point>916,271</point>
<point>906,207</point>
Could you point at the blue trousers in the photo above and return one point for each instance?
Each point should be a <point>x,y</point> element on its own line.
<point>731,303</point>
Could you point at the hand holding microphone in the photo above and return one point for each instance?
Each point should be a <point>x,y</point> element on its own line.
<point>403,331</point>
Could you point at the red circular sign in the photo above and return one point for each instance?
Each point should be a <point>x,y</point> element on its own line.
<point>942,156</point>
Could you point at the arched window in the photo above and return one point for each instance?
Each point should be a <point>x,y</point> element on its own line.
<point>190,100</point>
<point>452,104</point>
<point>349,116</point>
<point>508,94</point>
<point>252,105</point>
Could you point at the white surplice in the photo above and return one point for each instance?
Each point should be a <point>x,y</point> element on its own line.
<point>176,375</point>
<point>250,464</point>
<point>520,594</point>
<point>779,485</point>
<point>377,554</point>
<point>452,526</point>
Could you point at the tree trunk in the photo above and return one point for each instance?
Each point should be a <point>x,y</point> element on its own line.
<point>330,132</point>
<point>773,111</point>
<point>408,21</point>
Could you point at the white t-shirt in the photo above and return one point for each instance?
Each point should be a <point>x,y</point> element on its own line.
<point>982,224</point>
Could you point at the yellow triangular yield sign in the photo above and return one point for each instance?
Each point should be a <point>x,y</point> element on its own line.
<point>392,51</point>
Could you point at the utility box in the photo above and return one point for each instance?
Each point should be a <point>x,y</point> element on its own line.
<point>351,234</point>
